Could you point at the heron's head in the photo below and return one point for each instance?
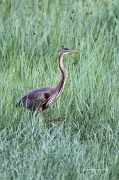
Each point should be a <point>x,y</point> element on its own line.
<point>67,51</point>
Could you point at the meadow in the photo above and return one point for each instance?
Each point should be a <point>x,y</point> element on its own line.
<point>85,143</point>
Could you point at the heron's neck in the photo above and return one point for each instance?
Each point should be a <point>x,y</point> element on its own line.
<point>60,87</point>
<point>62,82</point>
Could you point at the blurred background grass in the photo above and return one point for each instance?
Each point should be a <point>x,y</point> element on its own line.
<point>31,35</point>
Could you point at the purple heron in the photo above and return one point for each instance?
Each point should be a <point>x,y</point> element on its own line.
<point>43,98</point>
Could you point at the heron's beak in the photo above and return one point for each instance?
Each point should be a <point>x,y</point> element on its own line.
<point>73,51</point>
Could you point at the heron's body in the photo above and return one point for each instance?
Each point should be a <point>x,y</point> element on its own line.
<point>43,98</point>
<point>36,99</point>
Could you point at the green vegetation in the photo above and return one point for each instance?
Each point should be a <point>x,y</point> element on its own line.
<point>85,145</point>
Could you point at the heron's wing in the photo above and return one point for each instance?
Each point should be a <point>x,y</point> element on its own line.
<point>35,98</point>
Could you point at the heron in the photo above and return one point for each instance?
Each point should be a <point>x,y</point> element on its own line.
<point>41,99</point>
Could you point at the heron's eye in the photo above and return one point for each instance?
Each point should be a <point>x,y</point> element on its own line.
<point>65,49</point>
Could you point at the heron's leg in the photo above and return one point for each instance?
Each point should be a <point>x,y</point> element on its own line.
<point>41,113</point>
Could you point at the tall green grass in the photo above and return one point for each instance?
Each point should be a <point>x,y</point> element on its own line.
<point>85,144</point>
